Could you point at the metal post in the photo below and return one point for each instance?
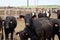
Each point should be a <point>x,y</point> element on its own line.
<point>5,13</point>
<point>37,3</point>
<point>37,9</point>
<point>27,3</point>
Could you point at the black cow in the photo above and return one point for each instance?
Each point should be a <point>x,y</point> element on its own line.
<point>55,23</point>
<point>0,23</point>
<point>42,15</point>
<point>58,14</point>
<point>59,29</point>
<point>9,26</point>
<point>56,27</point>
<point>46,14</point>
<point>44,28</point>
<point>26,33</point>
<point>1,27</point>
<point>23,35</point>
<point>38,29</point>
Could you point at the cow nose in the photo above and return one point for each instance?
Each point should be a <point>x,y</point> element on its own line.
<point>27,24</point>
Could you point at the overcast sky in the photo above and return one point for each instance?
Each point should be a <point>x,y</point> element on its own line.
<point>31,2</point>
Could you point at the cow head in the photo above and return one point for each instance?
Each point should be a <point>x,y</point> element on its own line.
<point>10,21</point>
<point>28,19</point>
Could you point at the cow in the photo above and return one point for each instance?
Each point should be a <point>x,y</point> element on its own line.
<point>56,27</point>
<point>44,14</point>
<point>25,34</point>
<point>45,26</point>
<point>56,24</point>
<point>1,27</point>
<point>10,24</point>
<point>58,14</point>
<point>38,29</point>
<point>0,23</point>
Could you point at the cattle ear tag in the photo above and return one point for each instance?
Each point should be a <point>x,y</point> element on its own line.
<point>32,14</point>
<point>56,25</point>
<point>10,21</point>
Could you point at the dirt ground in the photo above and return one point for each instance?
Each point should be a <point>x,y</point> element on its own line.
<point>21,26</point>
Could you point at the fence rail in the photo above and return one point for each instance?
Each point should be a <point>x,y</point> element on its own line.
<point>17,11</point>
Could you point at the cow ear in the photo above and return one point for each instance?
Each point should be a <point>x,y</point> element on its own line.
<point>21,16</point>
<point>3,21</point>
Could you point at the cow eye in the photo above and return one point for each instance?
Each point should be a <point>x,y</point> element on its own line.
<point>10,21</point>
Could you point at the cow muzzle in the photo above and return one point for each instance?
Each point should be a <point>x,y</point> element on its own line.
<point>7,25</point>
<point>27,24</point>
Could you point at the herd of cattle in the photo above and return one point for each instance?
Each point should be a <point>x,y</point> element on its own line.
<point>40,28</point>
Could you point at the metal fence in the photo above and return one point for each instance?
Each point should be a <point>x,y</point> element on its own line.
<point>12,11</point>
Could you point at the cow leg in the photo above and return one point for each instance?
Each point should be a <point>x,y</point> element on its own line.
<point>53,36</point>
<point>58,35</point>
<point>2,34</point>
<point>34,38</point>
<point>49,38</point>
<point>11,35</point>
<point>2,37</point>
<point>6,37</point>
<point>44,35</point>
<point>44,38</point>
